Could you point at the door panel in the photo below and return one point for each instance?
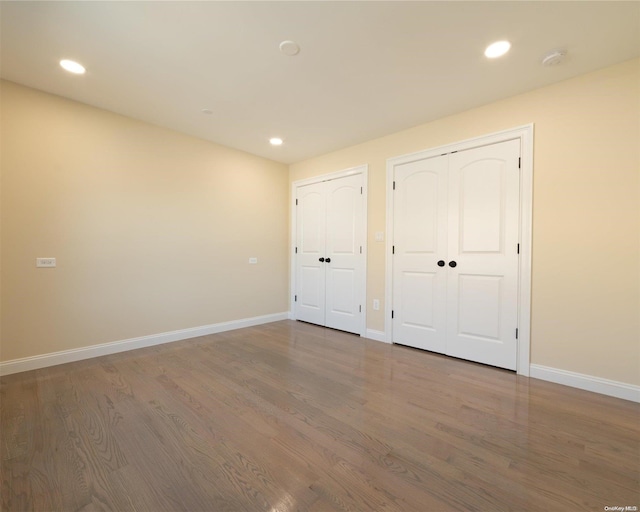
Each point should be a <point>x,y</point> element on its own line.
<point>420,240</point>
<point>343,204</point>
<point>482,301</point>
<point>311,293</point>
<point>479,299</point>
<point>481,206</point>
<point>311,222</point>
<point>341,290</point>
<point>420,203</point>
<point>310,272</point>
<point>418,292</point>
<point>345,271</point>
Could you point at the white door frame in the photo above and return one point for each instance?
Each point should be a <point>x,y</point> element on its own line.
<point>525,135</point>
<point>361,169</point>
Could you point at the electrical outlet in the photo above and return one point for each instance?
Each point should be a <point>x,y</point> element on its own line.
<point>45,262</point>
<point>253,261</point>
<point>376,304</point>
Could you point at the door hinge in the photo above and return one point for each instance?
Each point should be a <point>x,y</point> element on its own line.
<point>394,185</point>
<point>296,202</point>
<point>393,249</point>
<point>360,308</point>
<point>519,162</point>
<point>392,313</point>
<point>295,298</point>
<point>516,333</point>
<point>360,190</point>
<point>296,250</point>
<point>518,248</point>
<point>360,249</point>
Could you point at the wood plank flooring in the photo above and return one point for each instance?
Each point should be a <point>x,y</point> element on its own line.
<point>289,416</point>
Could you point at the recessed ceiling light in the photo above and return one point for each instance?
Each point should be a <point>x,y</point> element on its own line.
<point>275,141</point>
<point>497,49</point>
<point>73,67</point>
<point>207,111</point>
<point>289,48</point>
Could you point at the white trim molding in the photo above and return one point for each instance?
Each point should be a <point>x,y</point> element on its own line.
<point>372,334</point>
<point>68,356</point>
<point>587,382</point>
<point>525,135</point>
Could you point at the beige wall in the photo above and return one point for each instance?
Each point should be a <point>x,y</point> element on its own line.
<point>586,218</point>
<point>152,230</point>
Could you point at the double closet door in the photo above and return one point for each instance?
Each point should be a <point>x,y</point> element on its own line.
<point>456,252</point>
<point>329,259</point>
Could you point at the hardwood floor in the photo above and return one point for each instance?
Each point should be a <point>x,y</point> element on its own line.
<point>290,416</point>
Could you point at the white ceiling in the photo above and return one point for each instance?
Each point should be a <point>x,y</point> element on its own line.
<point>365,69</point>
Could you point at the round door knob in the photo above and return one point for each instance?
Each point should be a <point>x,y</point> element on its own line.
<point>328,260</point>
<point>441,263</point>
<point>321,260</point>
<point>452,264</point>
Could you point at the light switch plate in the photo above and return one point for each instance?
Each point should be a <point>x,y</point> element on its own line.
<point>379,236</point>
<point>45,262</point>
<point>253,261</point>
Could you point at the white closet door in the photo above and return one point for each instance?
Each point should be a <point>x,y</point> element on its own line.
<point>329,260</point>
<point>344,261</point>
<point>310,239</point>
<point>482,298</point>
<point>455,261</point>
<point>420,242</point>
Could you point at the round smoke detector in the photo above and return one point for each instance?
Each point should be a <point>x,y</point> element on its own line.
<point>289,48</point>
<point>553,58</point>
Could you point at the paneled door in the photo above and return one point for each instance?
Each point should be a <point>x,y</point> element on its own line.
<point>484,205</point>
<point>420,240</point>
<point>456,233</point>
<point>329,257</point>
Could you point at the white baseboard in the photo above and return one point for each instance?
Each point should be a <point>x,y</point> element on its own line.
<point>586,382</point>
<point>68,356</point>
<point>372,334</point>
